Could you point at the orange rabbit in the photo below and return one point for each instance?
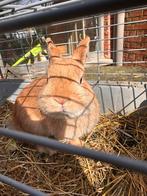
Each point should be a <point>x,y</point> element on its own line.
<point>61,105</point>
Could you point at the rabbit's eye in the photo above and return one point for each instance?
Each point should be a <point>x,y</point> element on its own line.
<point>81,80</point>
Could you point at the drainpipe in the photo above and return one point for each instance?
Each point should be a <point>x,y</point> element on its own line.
<point>120,42</point>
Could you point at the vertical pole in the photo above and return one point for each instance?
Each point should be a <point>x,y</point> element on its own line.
<point>76,33</point>
<point>120,42</point>
<point>1,65</point>
<point>101,36</point>
<point>70,41</point>
<point>83,26</point>
<point>69,46</point>
<point>97,45</point>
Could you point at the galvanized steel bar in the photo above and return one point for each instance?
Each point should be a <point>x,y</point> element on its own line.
<point>66,10</point>
<point>32,5</point>
<point>16,8</point>
<point>119,161</point>
<point>103,14</point>
<point>6,2</point>
<point>101,26</point>
<point>20,186</point>
<point>11,6</point>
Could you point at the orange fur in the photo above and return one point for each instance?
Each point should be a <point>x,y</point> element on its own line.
<point>59,105</point>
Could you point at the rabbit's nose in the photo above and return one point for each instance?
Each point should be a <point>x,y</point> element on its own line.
<point>60,100</point>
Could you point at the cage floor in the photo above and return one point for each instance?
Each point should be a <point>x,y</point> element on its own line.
<point>65,174</point>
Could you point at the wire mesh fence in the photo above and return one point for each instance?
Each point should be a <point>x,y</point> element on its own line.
<point>117,50</point>
<point>118,44</point>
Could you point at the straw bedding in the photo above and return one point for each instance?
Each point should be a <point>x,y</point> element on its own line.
<point>64,174</point>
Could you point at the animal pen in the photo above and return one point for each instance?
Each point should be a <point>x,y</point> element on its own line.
<point>116,68</point>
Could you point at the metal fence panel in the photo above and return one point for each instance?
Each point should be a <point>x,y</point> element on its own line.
<point>115,98</point>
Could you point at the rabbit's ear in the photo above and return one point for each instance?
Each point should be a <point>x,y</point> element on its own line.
<point>80,52</point>
<point>52,49</point>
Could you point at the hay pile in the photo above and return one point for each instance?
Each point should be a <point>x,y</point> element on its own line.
<point>64,174</point>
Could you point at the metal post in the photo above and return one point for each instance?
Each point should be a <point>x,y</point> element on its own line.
<point>120,42</point>
<point>83,26</point>
<point>76,33</point>
<point>1,65</point>
<point>101,36</point>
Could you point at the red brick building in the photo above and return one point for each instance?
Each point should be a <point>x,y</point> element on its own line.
<point>133,47</point>
<point>138,37</point>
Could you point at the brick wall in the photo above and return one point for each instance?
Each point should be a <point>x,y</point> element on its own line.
<point>135,42</point>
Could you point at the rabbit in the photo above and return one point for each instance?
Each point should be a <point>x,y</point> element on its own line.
<point>62,104</point>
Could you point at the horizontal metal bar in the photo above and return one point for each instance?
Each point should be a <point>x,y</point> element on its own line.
<point>67,10</point>
<point>2,13</point>
<point>96,16</point>
<point>21,186</point>
<point>116,74</point>
<point>2,3</point>
<point>105,14</point>
<point>16,13</point>
<point>133,9</point>
<point>17,8</point>
<point>125,37</point>
<point>131,62</point>
<point>92,40</point>
<point>101,62</point>
<point>12,14</point>
<point>76,20</point>
<point>124,23</point>
<point>119,161</point>
<point>70,31</point>
<point>125,50</point>
<point>11,6</point>
<point>124,62</point>
<point>32,5</point>
<point>99,27</point>
<point>99,52</point>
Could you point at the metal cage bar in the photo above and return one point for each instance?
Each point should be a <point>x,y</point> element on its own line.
<point>119,161</point>
<point>64,11</point>
<point>6,2</point>
<point>15,8</point>
<point>20,186</point>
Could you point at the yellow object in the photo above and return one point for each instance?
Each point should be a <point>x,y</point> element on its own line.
<point>34,51</point>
